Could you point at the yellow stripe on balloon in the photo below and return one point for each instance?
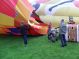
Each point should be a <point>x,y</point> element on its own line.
<point>55,20</point>
<point>6,20</point>
<point>67,11</point>
<point>22,10</point>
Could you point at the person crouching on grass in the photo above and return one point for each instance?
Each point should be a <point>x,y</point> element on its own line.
<point>51,33</point>
<point>62,32</point>
<point>23,30</point>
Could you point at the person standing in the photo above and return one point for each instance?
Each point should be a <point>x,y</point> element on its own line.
<point>71,20</point>
<point>62,32</point>
<point>24,30</point>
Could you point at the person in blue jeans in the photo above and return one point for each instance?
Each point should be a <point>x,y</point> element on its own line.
<point>24,30</point>
<point>62,33</point>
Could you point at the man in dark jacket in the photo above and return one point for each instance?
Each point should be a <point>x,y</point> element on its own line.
<point>24,29</point>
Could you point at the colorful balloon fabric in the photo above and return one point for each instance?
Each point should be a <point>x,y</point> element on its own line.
<point>76,3</point>
<point>36,13</point>
<point>55,10</point>
<point>12,12</point>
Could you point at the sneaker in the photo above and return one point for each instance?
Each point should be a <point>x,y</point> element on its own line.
<point>62,46</point>
<point>65,45</point>
<point>25,45</point>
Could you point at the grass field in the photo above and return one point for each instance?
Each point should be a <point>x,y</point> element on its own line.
<point>12,47</point>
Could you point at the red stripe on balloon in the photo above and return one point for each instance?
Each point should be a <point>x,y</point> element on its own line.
<point>8,7</point>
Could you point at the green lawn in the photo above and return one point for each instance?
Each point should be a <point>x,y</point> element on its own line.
<point>12,47</point>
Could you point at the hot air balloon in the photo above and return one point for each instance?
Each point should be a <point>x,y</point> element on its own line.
<point>55,10</point>
<point>37,13</point>
<point>12,12</point>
